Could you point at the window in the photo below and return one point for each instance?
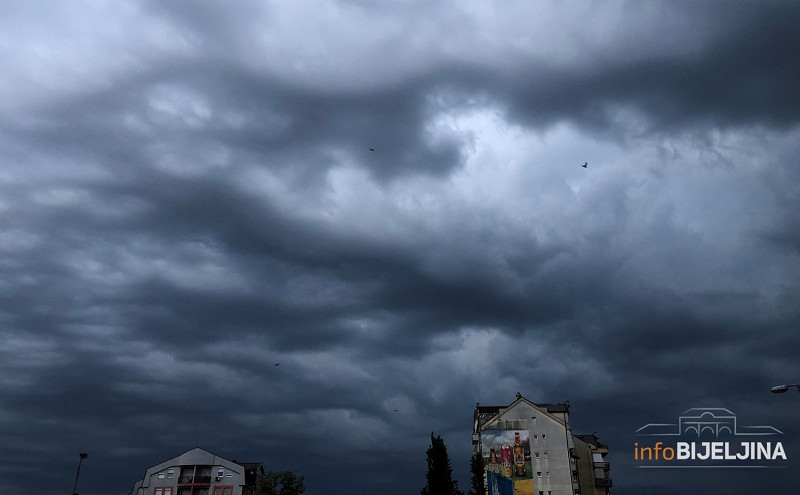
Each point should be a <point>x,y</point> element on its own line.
<point>162,490</point>
<point>544,435</point>
<point>537,455</point>
<point>203,474</point>
<point>538,474</point>
<point>547,474</point>
<point>541,492</point>
<point>545,455</point>
<point>223,490</point>
<point>187,475</point>
<point>536,437</point>
<point>171,473</point>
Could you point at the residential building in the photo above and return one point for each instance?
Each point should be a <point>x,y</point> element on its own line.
<point>593,466</point>
<point>529,449</point>
<point>199,472</point>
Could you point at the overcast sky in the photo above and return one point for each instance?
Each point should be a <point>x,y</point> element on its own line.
<point>188,197</point>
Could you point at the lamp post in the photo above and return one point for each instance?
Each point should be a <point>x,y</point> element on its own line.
<point>83,455</point>
<point>779,389</point>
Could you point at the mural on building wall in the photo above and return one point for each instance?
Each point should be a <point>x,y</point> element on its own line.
<point>498,485</point>
<point>507,454</point>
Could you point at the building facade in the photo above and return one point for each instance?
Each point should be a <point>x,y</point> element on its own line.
<point>593,467</point>
<point>199,472</point>
<point>529,449</point>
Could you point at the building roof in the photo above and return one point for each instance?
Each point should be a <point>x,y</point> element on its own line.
<point>561,407</point>
<point>592,440</point>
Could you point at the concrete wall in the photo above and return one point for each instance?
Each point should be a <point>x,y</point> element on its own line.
<point>548,437</point>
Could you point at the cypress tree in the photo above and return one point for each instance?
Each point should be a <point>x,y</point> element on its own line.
<point>439,478</point>
<point>477,468</point>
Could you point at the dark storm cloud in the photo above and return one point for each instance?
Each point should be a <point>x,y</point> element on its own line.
<point>742,75</point>
<point>189,198</point>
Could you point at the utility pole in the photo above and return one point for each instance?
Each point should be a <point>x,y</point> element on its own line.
<point>83,455</point>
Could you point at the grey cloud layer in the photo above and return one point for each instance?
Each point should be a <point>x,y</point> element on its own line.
<point>188,198</point>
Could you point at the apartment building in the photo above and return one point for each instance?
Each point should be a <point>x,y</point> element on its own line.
<point>199,472</point>
<point>529,449</point>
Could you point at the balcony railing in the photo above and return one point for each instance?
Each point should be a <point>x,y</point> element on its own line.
<point>603,482</point>
<point>203,480</point>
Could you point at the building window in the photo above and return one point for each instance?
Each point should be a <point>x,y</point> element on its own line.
<point>537,455</point>
<point>187,475</point>
<point>544,435</point>
<point>171,473</point>
<point>545,455</point>
<point>538,474</point>
<point>536,437</point>
<point>203,474</point>
<point>547,474</point>
<point>162,490</point>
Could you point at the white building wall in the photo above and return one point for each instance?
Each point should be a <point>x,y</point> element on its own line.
<point>549,438</point>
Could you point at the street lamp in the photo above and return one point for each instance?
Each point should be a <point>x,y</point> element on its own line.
<point>779,389</point>
<point>83,455</point>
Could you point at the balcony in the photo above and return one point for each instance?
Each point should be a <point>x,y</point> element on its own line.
<point>603,482</point>
<point>201,480</point>
<point>602,465</point>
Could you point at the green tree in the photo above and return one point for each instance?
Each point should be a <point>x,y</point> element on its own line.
<point>280,483</point>
<point>477,467</point>
<point>439,478</point>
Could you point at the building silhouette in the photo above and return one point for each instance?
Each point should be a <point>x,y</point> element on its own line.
<point>529,449</point>
<point>199,472</point>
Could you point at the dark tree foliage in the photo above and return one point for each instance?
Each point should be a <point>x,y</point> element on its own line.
<point>280,483</point>
<point>440,474</point>
<point>477,468</point>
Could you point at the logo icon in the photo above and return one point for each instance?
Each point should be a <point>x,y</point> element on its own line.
<point>704,422</point>
<point>708,437</point>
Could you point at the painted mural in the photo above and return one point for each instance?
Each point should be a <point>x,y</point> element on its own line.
<point>507,454</point>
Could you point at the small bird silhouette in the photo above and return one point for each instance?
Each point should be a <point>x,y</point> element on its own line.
<point>585,164</point>
<point>372,149</point>
<point>277,364</point>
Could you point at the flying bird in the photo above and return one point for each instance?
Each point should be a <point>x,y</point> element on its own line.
<point>372,149</point>
<point>277,364</point>
<point>585,164</point>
